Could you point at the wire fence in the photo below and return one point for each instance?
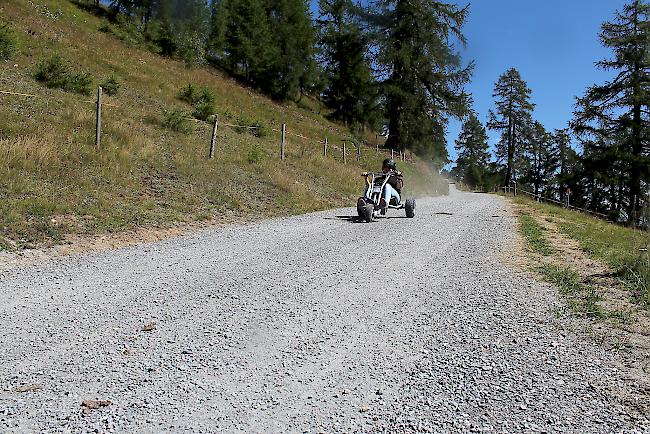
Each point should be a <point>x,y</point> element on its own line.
<point>566,204</point>
<point>328,148</point>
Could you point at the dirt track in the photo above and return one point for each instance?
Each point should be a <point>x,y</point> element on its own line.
<point>311,323</point>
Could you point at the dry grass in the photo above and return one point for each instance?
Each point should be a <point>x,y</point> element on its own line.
<point>53,182</point>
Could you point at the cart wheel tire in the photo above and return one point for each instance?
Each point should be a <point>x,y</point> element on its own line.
<point>410,208</point>
<point>361,204</point>
<point>367,212</point>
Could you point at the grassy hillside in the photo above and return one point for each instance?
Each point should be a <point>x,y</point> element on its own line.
<point>53,181</point>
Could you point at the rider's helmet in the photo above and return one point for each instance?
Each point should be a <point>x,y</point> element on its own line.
<point>389,163</point>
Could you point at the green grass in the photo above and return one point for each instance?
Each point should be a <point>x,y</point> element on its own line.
<point>151,170</point>
<point>619,247</point>
<point>534,234</point>
<point>581,298</point>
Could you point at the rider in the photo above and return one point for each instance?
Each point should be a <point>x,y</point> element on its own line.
<point>393,187</point>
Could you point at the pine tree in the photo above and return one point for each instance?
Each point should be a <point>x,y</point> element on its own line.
<point>351,91</point>
<point>605,179</point>
<point>512,117</point>
<point>424,78</point>
<point>619,108</point>
<point>542,159</point>
<point>472,163</point>
<point>566,158</point>
<point>269,44</point>
<point>241,38</point>
<point>295,37</point>
<point>178,28</point>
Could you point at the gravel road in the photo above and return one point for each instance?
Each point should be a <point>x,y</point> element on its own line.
<point>304,324</point>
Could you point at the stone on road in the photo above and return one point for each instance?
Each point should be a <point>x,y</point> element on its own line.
<point>303,324</point>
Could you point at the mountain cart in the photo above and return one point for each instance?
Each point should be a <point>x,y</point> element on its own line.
<point>368,206</point>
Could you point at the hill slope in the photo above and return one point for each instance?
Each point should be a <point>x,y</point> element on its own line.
<point>54,182</point>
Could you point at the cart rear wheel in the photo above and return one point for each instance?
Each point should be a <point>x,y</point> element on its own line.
<point>361,203</point>
<point>410,208</point>
<point>367,212</point>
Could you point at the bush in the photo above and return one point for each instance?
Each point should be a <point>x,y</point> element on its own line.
<point>260,130</point>
<point>79,83</point>
<point>196,95</point>
<point>256,155</point>
<point>201,98</point>
<point>111,85</point>
<point>203,111</point>
<point>177,120</point>
<point>243,123</point>
<point>7,43</point>
<point>207,96</point>
<point>256,128</point>
<point>190,48</point>
<point>54,73</point>
<point>189,94</point>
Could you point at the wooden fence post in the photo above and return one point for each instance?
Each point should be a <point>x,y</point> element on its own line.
<point>98,122</point>
<point>284,138</point>
<point>325,148</point>
<point>376,144</point>
<point>392,154</point>
<point>344,156</point>
<point>359,152</point>
<point>213,141</point>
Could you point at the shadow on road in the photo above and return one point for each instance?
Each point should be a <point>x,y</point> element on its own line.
<point>348,218</point>
<point>357,219</point>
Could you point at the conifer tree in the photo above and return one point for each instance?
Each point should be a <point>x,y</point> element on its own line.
<point>423,76</point>
<point>541,157</point>
<point>269,44</point>
<point>472,163</point>
<point>294,37</point>
<point>619,107</point>
<point>241,38</point>
<point>566,160</point>
<point>351,91</point>
<point>511,118</point>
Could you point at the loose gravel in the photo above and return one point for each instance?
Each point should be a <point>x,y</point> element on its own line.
<point>312,323</point>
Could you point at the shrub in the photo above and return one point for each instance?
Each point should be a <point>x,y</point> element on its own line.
<point>177,120</point>
<point>189,94</point>
<point>256,154</point>
<point>52,72</point>
<point>7,43</point>
<point>260,130</point>
<point>243,123</point>
<point>111,85</point>
<point>203,110</point>
<point>256,128</point>
<point>201,98</point>
<point>79,83</point>
<point>207,96</point>
<point>190,48</point>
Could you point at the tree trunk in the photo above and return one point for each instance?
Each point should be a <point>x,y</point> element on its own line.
<point>635,167</point>
<point>511,151</point>
<point>562,171</point>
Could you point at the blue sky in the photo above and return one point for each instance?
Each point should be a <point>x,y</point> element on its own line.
<point>553,44</point>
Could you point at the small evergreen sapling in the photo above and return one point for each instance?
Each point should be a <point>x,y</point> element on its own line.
<point>7,43</point>
<point>111,85</point>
